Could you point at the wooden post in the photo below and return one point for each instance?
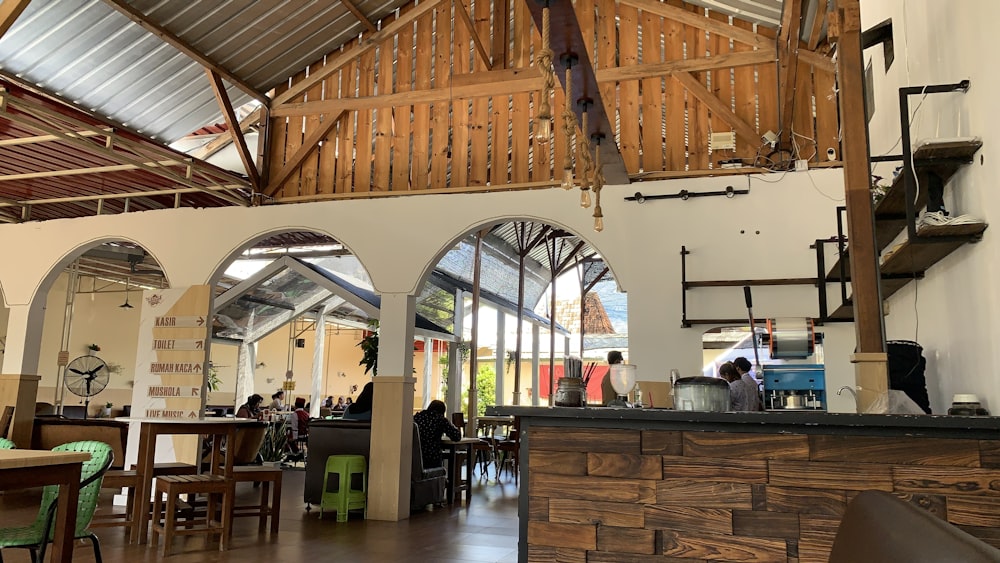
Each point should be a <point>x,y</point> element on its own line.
<point>871,374</point>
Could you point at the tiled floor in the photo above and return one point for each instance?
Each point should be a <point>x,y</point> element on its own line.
<point>484,531</point>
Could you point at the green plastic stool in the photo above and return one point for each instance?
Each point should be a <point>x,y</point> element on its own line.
<point>346,496</point>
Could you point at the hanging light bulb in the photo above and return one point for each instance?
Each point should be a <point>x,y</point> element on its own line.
<point>543,133</point>
<point>598,183</point>
<point>584,197</point>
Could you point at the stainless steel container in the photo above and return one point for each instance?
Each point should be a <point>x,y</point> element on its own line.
<point>707,394</point>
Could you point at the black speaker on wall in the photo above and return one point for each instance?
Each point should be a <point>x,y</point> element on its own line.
<point>300,342</point>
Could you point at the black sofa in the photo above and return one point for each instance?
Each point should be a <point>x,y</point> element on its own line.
<point>340,437</point>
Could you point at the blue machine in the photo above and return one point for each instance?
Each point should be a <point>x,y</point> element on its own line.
<point>794,387</point>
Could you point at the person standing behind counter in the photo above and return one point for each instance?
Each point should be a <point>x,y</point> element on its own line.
<point>742,395</point>
<point>745,369</point>
<point>608,392</point>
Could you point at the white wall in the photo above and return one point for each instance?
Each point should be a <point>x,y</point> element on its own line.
<point>765,234</point>
<point>951,311</point>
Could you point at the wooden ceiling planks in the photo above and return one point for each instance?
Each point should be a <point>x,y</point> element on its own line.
<point>459,109</point>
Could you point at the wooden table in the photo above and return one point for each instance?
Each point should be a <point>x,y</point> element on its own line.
<point>149,429</point>
<point>492,423</point>
<point>455,482</point>
<point>21,469</point>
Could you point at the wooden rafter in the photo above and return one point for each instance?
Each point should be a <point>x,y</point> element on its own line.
<point>234,127</point>
<point>156,29</point>
<point>718,107</point>
<point>45,121</point>
<point>351,7</point>
<point>5,202</point>
<point>788,65</point>
<point>88,170</point>
<point>336,63</point>
<point>725,30</point>
<point>515,81</point>
<point>476,40</point>
<point>9,11</point>
<point>296,160</point>
<point>48,138</point>
<point>817,27</point>
<point>223,141</point>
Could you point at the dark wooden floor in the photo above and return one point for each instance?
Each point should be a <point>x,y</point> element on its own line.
<point>485,530</point>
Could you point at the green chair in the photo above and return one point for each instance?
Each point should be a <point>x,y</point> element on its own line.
<point>34,537</point>
<point>6,444</point>
<point>351,473</point>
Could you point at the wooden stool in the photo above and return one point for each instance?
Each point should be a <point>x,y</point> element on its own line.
<point>267,507</point>
<point>175,485</point>
<point>119,479</point>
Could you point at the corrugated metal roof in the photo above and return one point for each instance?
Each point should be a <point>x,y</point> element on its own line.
<point>763,12</point>
<point>89,53</point>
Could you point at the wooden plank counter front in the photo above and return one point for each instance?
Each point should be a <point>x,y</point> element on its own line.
<point>617,485</point>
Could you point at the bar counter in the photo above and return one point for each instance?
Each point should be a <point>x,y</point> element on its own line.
<point>605,485</point>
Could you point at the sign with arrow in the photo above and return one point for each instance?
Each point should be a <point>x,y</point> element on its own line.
<point>189,321</point>
<point>162,344</point>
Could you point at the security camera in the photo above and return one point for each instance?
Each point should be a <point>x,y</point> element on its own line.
<point>831,154</point>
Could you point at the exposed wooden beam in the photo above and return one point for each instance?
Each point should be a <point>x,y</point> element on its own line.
<point>308,145</point>
<point>566,37</point>
<point>817,26</point>
<point>223,141</point>
<point>653,70</point>
<point>718,107</point>
<point>480,48</point>
<point>857,180</point>
<point>41,119</point>
<point>83,171</point>
<point>467,189</point>
<point>514,81</point>
<point>234,127</point>
<point>788,65</point>
<point>48,138</point>
<point>156,29</point>
<point>701,22</point>
<point>527,80</point>
<point>122,195</point>
<point>725,30</point>
<point>349,4</point>
<point>9,11</point>
<point>334,63</point>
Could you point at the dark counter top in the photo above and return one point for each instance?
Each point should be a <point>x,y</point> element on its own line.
<point>796,422</point>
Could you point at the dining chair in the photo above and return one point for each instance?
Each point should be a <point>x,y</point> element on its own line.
<point>36,536</point>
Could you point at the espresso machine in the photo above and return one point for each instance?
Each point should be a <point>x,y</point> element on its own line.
<point>794,386</point>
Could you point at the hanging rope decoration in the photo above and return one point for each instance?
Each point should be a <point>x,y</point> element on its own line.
<point>569,125</point>
<point>583,145</point>
<point>544,62</point>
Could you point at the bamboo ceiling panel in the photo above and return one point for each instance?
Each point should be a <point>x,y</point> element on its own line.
<point>431,102</point>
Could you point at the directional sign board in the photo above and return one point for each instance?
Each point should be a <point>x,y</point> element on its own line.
<point>171,368</point>
<point>170,413</point>
<point>173,391</point>
<point>163,344</point>
<point>179,322</point>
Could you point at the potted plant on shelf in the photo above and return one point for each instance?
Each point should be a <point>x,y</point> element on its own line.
<point>106,412</point>
<point>93,349</point>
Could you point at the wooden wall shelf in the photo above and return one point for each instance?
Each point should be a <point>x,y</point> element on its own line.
<point>912,258</point>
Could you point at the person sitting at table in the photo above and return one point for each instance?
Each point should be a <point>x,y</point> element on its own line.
<point>339,406</point>
<point>432,424</point>
<point>302,416</point>
<point>362,408</point>
<point>328,402</point>
<point>278,400</point>
<point>251,408</point>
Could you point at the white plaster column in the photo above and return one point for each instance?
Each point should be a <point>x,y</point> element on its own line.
<point>428,369</point>
<point>501,354</point>
<point>536,340</point>
<point>24,337</point>
<point>392,411</point>
<point>246,364</point>
<point>319,366</point>
<point>454,398</point>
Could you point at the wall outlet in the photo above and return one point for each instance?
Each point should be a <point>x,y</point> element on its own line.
<point>801,165</point>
